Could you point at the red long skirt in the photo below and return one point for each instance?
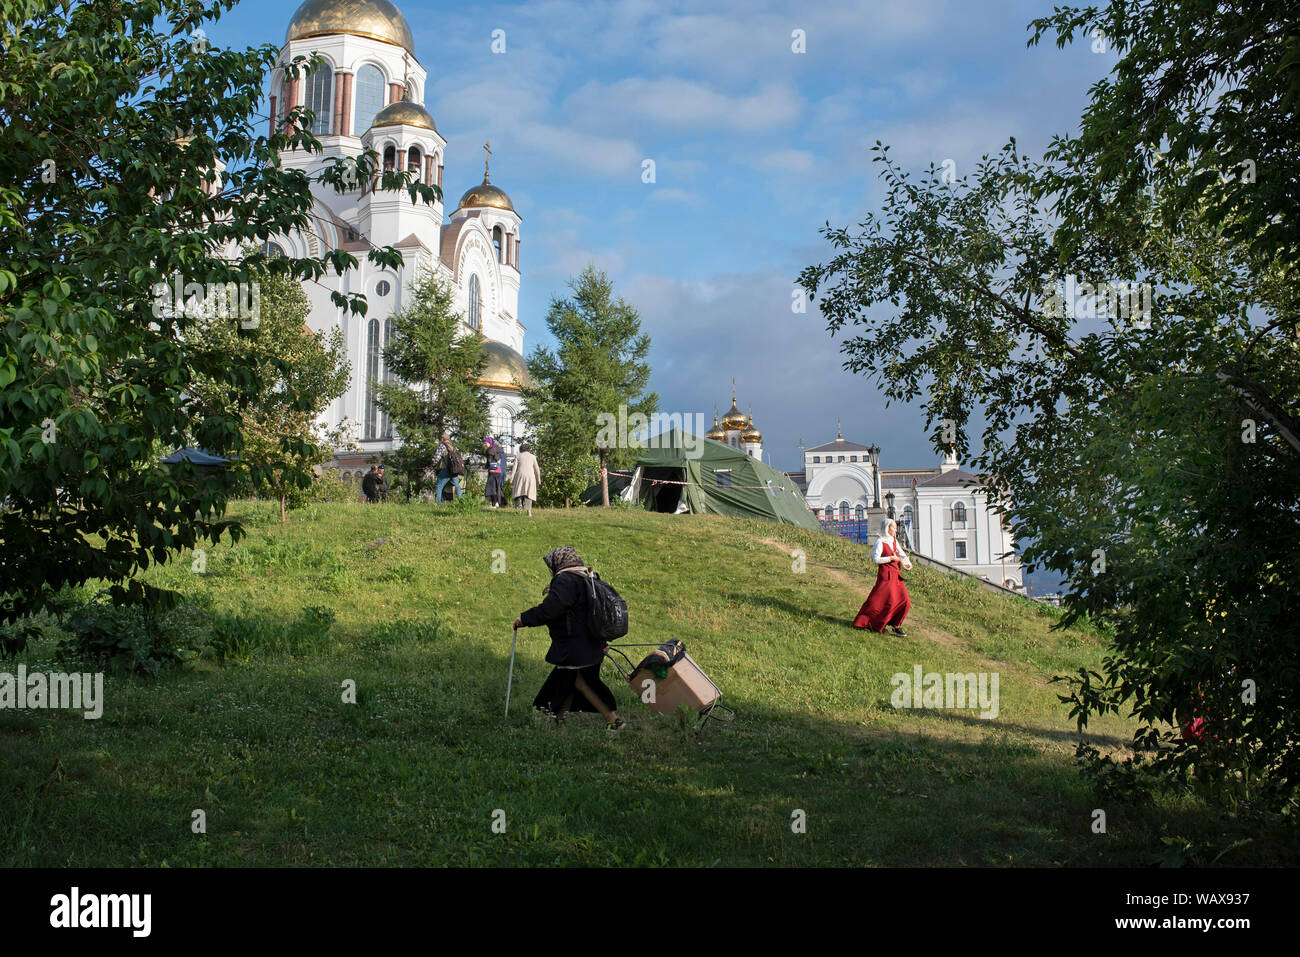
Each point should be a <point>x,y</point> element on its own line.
<point>888,603</point>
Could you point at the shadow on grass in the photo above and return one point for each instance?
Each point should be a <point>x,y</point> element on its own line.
<point>795,611</point>
<point>417,770</point>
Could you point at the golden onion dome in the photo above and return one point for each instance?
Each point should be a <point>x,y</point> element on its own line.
<point>751,434</point>
<point>506,369</point>
<point>734,420</point>
<point>404,113</point>
<point>717,433</point>
<point>374,19</point>
<point>485,194</point>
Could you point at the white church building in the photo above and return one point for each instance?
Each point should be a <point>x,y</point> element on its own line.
<point>370,94</point>
<point>943,513</point>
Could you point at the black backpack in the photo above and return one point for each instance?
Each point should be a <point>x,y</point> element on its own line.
<point>455,461</point>
<point>607,611</point>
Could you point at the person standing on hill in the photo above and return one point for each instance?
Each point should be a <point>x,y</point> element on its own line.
<point>450,466</point>
<point>370,485</point>
<point>888,603</point>
<point>574,684</point>
<point>496,472</point>
<point>525,479</point>
<point>381,489</point>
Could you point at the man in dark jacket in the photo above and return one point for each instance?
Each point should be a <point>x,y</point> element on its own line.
<point>575,654</point>
<point>442,465</point>
<point>370,485</point>
<point>381,489</point>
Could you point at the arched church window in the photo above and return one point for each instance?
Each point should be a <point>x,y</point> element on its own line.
<point>372,379</point>
<point>503,426</point>
<point>272,250</point>
<point>497,235</point>
<point>858,513</point>
<point>369,85</point>
<point>958,513</point>
<point>473,315</point>
<point>390,158</point>
<point>320,99</point>
<point>385,423</point>
<point>413,161</point>
<point>907,514</point>
<point>844,510</point>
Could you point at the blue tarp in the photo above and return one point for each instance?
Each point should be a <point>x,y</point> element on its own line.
<point>194,457</point>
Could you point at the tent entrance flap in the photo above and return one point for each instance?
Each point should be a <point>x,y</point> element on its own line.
<point>662,497</point>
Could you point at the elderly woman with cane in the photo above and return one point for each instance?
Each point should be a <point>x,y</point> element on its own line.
<point>574,684</point>
<point>888,603</point>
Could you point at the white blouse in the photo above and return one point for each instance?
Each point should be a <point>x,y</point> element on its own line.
<point>878,553</point>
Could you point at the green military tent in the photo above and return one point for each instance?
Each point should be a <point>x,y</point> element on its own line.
<point>679,472</point>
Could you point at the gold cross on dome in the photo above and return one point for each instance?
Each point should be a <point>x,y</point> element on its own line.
<point>487,155</point>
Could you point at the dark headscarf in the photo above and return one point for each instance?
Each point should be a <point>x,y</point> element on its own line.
<point>558,559</point>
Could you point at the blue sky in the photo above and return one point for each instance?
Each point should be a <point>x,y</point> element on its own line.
<point>755,148</point>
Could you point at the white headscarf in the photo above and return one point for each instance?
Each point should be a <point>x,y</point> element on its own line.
<point>884,527</point>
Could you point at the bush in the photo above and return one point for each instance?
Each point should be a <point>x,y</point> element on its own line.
<point>15,635</point>
<point>239,639</point>
<point>131,638</point>
<point>330,488</point>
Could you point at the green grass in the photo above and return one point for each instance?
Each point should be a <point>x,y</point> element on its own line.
<point>411,774</point>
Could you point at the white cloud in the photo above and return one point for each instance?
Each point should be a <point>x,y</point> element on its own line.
<point>791,162</point>
<point>673,195</point>
<point>674,102</point>
<point>607,156</point>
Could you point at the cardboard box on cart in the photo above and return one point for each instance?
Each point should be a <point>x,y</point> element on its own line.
<point>685,684</point>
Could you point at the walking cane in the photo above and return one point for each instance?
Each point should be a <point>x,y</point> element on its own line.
<point>511,678</point>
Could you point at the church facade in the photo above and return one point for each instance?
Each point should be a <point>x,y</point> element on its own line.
<point>369,94</point>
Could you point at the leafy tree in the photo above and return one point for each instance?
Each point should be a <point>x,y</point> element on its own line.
<point>437,366</point>
<point>1162,497</point>
<point>115,121</point>
<point>599,365</point>
<point>1199,111</point>
<point>299,373</point>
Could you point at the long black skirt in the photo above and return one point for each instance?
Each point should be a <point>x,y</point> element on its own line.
<point>559,686</point>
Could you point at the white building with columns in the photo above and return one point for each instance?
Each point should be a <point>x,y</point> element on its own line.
<point>369,94</point>
<point>943,513</point>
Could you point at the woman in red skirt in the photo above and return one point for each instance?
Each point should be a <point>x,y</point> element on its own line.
<point>888,603</point>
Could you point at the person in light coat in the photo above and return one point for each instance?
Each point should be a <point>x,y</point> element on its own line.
<point>525,479</point>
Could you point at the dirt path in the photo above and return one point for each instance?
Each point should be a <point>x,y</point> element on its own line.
<point>860,583</point>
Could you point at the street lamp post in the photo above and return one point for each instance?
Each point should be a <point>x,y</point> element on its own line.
<point>873,452</point>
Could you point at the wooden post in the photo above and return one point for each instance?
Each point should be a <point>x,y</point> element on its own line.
<point>604,477</point>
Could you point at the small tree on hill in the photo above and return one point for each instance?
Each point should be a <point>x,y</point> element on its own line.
<point>300,372</point>
<point>599,365</point>
<point>436,364</point>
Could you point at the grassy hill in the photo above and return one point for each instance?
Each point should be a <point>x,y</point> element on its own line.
<point>286,773</point>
